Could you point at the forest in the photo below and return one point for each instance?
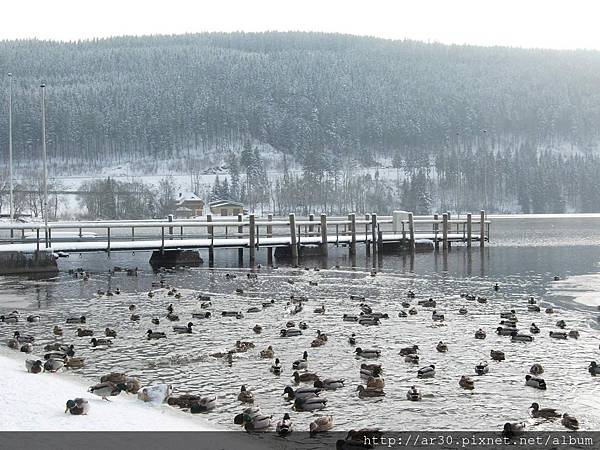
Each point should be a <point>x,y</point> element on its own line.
<point>465,127</point>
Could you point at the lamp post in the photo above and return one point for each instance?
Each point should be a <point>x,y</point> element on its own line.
<point>10,149</point>
<point>45,204</point>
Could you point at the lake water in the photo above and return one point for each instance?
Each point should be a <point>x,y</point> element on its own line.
<point>523,257</point>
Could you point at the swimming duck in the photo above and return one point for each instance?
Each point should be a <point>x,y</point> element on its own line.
<point>321,425</point>
<point>9,319</point>
<point>33,318</point>
<point>352,339</point>
<point>110,333</point>
<point>558,335</point>
<point>13,343</point>
<point>132,308</point>
<point>243,346</point>
<point>158,393</point>
<point>305,376</point>
<point>24,338</point>
<point>100,342</point>
<point>368,320</point>
<point>257,328</point>
<point>412,359</point>
<point>253,309</point>
<point>33,366</point>
<point>320,310</point>
<point>26,348</point>
<point>411,294</point>
<point>574,334</point>
<point>107,389</point>
<point>402,314</point>
<point>155,335</point>
<point>561,324</point>
<point>441,347</point>
<point>180,329</point>
<point>349,318</point>
<point>53,365</point>
<point>463,311</point>
<point>366,309</point>
<point>301,363</point>
<point>83,332</point>
<point>57,331</point>
<point>329,384</point>
<point>268,304</point>
<point>267,352</point>
<point>533,308</point>
<point>482,368</point>
<point>497,355</point>
<point>536,369</point>
<point>466,382</point>
<point>426,372</point>
<point>367,353</point>
<point>290,324</point>
<point>247,415</point>
<point>512,429</point>
<point>409,350</point>
<point>437,316</point>
<point>413,394</point>
<point>480,334</point>
<point>534,329</point>
<point>364,392</point>
<point>178,295</point>
<point>546,413</point>
<point>518,337</point>
<point>205,404</point>
<point>549,310</point>
<point>172,317</point>
<point>496,287</point>
<point>183,401</point>
<point>536,382</point>
<point>594,368</point>
<point>570,422</point>
<point>413,311</point>
<point>276,367</point>
<point>290,332</point>
<point>77,407</point>
<point>431,303</point>
<point>375,383</point>
<point>245,396</point>
<point>508,314</point>
<point>301,392</point>
<point>155,321</point>
<point>75,363</point>
<point>556,278</point>
<point>284,426</point>
<point>405,304</point>
<point>150,294</point>
<point>370,370</point>
<point>501,331</point>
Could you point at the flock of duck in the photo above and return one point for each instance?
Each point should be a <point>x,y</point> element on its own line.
<point>310,387</point>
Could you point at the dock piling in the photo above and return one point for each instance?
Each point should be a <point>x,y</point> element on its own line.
<point>323,234</point>
<point>445,231</point>
<point>211,233</point>
<point>270,234</point>
<point>352,219</point>
<point>482,228</point>
<point>293,237</point>
<point>411,230</point>
<point>241,249</point>
<point>252,238</point>
<point>469,229</point>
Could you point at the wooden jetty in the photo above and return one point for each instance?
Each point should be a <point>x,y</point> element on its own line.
<point>290,236</point>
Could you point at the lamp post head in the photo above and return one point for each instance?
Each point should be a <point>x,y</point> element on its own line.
<point>42,85</point>
<point>9,74</point>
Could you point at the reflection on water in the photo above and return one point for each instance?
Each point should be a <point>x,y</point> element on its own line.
<point>184,361</point>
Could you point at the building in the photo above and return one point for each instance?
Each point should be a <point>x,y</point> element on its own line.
<point>226,208</point>
<point>189,205</point>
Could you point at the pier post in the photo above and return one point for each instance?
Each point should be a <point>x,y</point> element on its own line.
<point>252,239</point>
<point>482,228</point>
<point>270,234</point>
<point>367,246</point>
<point>311,228</point>
<point>211,233</point>
<point>324,235</point>
<point>436,229</point>
<point>241,249</point>
<point>445,231</point>
<point>374,232</point>
<point>108,241</point>
<point>170,219</point>
<point>411,230</point>
<point>293,238</point>
<point>352,219</point>
<point>469,229</point>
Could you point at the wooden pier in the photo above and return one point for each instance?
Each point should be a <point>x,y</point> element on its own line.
<point>290,236</point>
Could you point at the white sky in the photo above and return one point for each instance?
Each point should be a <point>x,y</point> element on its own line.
<point>518,23</point>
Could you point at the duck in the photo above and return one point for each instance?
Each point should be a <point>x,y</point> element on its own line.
<point>430,303</point>
<point>413,311</point>
<point>301,363</point>
<point>321,425</point>
<point>405,304</point>
<point>413,394</point>
<point>329,384</point>
<point>533,308</point>
<point>561,324</point>
<point>570,422</point>
<point>257,328</point>
<point>512,429</point>
<point>368,320</point>
<point>245,396</point>
<point>24,338</point>
<point>480,334</point>
<point>267,352</point>
<point>243,346</point>
<point>100,342</point>
<point>503,331</point>
<point>107,389</point>
<point>180,329</point>
<point>172,317</point>
<point>367,353</point>
<point>75,363</point>
<point>558,335</point>
<point>158,393</point>
<point>258,422</point>
<point>13,343</point>
<point>410,294</point>
<point>463,311</point>
<point>155,321</point>
<point>536,369</point>
<point>441,347</point>
<point>364,392</point>
<point>426,372</point>
<point>370,370</point>
<point>518,337</point>
<point>284,426</point>
<point>534,329</point>
<point>481,300</point>
<point>409,350</point>
<point>276,367</point>
<point>201,315</point>
<point>594,369</point>
<point>205,404</point>
<point>290,324</point>
<point>320,310</point>
<point>301,392</point>
<point>412,359</point>
<point>482,368</point>
<point>26,348</point>
<point>84,332</point>
<point>57,331</point>
<point>9,319</point>
<point>366,309</point>
<point>536,382</point>
<point>110,333</point>
<point>77,407</point>
<point>352,339</point>
<point>183,401</point>
<point>496,287</point>
<point>508,314</point>
<point>309,403</point>
<point>402,314</point>
<point>33,366</point>
<point>150,294</point>
<point>305,376</point>
<point>497,355</point>
<point>290,332</point>
<point>466,382</point>
<point>574,334</point>
<point>155,335</point>
<point>33,318</point>
<point>253,309</point>
<point>375,383</point>
<point>549,310</point>
<point>546,413</point>
<point>53,365</point>
<point>268,304</point>
<point>349,318</point>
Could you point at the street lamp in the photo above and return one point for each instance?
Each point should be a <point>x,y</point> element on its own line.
<point>45,204</point>
<point>10,149</point>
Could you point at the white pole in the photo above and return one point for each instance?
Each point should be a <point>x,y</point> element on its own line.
<point>10,149</point>
<point>45,205</point>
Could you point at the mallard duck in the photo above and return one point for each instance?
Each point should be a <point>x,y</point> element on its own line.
<point>268,304</point>
<point>441,347</point>
<point>205,404</point>
<point>158,393</point>
<point>75,363</point>
<point>505,331</point>
<point>413,311</point>
<point>290,332</point>
<point>508,314</point>
<point>413,394</point>
<point>480,334</point>
<point>107,389</point>
<point>178,295</point>
<point>33,318</point>
<point>155,321</point>
<point>482,368</point>
<point>150,294</point>
<point>290,324</point>
<point>409,350</point>
<point>100,292</point>
<point>183,401</point>
<point>57,331</point>
<point>535,382</point>
<point>180,329</point>
<point>26,348</point>
<point>301,392</point>
<point>320,310</point>
<point>9,319</point>
<point>536,369</point>
<point>405,304</point>
<point>267,352</point>
<point>366,309</point>
<point>430,303</point>
<point>426,372</point>
<point>570,422</point>
<point>558,335</point>
<point>368,320</point>
<point>155,335</point>
<point>309,403</point>
<point>305,376</point>
<point>100,342</point>
<point>534,329</point>
<point>412,359</point>
<point>437,317</point>
<point>317,343</point>
<point>257,423</point>
<point>253,309</point>
<point>329,384</point>
<point>512,429</point>
<point>546,413</point>
<point>284,426</point>
<point>33,366</point>
<point>276,367</point>
<point>321,425</point>
<point>349,318</point>
<point>466,382</point>
<point>110,333</point>
<point>402,314</point>
<point>561,324</point>
<point>375,383</point>
<point>533,308</point>
<point>370,370</point>
<point>257,329</point>
<point>247,415</point>
<point>245,396</point>
<point>77,407</point>
<point>574,334</point>
<point>53,365</point>
<point>364,392</point>
<point>411,294</point>
<point>352,339</point>
<point>463,311</point>
<point>23,338</point>
<point>497,355</point>
<point>313,283</point>
<point>367,353</point>
<point>518,337</point>
<point>556,278</point>
<point>243,346</point>
<point>496,287</point>
<point>481,300</point>
<point>594,368</point>
<point>83,332</point>
<point>549,310</point>
<point>172,317</point>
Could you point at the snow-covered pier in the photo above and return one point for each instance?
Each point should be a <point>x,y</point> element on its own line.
<point>310,235</point>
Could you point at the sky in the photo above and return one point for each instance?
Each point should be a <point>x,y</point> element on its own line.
<point>516,23</point>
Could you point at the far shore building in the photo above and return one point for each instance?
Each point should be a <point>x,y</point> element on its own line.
<point>189,205</point>
<point>226,208</point>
